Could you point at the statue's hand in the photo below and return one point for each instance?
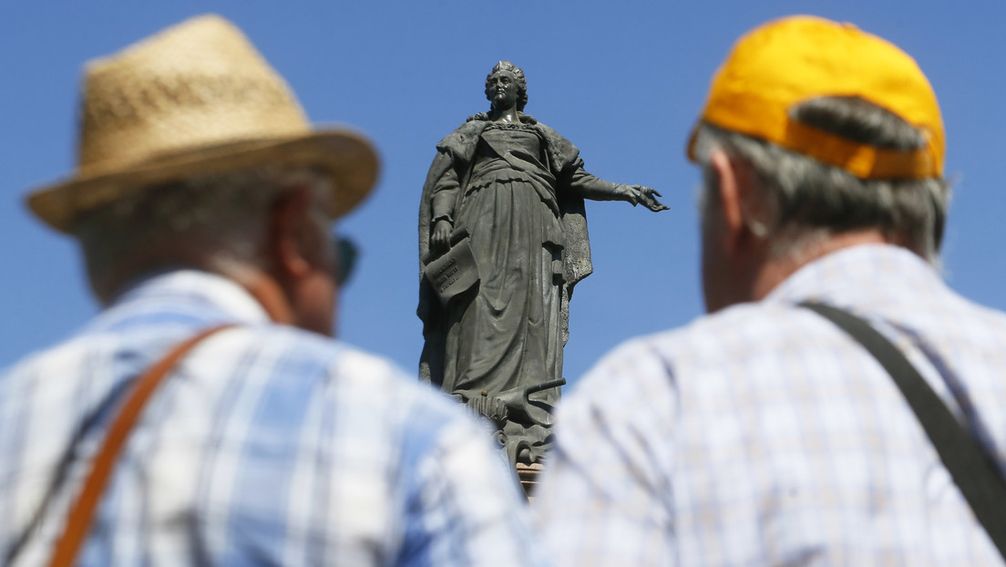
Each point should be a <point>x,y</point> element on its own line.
<point>440,240</point>
<point>636,194</point>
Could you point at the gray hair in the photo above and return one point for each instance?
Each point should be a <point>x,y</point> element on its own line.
<point>225,216</point>
<point>809,200</point>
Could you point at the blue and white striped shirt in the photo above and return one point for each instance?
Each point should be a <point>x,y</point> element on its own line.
<point>763,435</point>
<point>267,445</point>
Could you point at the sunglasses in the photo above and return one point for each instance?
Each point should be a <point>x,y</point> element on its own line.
<point>346,255</point>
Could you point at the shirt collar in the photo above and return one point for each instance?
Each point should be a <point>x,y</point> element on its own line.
<point>862,275</point>
<point>185,288</point>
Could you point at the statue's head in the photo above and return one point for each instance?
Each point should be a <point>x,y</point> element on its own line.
<point>516,75</point>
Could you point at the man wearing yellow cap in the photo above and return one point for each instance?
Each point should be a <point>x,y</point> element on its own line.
<point>203,418</point>
<point>840,405</point>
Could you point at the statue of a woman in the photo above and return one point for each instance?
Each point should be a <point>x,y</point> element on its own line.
<point>515,187</point>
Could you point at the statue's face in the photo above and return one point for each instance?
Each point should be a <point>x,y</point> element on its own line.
<point>501,89</point>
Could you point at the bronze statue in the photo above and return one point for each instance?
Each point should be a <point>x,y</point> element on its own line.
<point>503,241</point>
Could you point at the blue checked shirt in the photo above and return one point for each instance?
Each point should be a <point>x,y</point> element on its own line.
<point>267,445</point>
<point>763,435</point>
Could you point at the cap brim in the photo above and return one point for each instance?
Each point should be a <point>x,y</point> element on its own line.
<point>348,159</point>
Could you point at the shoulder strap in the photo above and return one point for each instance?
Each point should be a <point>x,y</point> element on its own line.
<point>81,514</point>
<point>974,472</point>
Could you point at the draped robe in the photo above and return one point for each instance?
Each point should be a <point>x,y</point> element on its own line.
<point>512,188</point>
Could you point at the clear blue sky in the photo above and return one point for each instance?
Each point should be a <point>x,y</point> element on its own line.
<point>623,80</point>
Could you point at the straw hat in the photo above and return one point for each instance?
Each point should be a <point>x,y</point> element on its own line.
<point>194,99</point>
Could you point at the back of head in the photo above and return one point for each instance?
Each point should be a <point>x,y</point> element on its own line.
<point>842,129</point>
<point>218,223</point>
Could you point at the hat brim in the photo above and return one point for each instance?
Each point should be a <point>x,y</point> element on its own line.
<point>347,158</point>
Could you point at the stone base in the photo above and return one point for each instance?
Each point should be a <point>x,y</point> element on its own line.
<point>528,475</point>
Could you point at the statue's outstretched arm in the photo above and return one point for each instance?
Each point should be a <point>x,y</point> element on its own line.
<point>597,189</point>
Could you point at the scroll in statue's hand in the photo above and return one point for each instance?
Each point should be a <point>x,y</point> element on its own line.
<point>641,194</point>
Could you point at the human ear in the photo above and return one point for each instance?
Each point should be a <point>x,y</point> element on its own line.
<point>743,206</point>
<point>289,219</point>
<point>727,188</point>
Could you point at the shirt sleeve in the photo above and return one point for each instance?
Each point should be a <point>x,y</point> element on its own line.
<point>464,507</point>
<point>605,496</point>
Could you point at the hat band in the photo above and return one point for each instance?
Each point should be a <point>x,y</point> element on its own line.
<point>862,160</point>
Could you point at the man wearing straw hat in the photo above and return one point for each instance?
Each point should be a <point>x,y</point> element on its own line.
<point>202,417</point>
<point>840,405</point>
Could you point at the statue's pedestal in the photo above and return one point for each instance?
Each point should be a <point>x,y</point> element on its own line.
<point>528,475</point>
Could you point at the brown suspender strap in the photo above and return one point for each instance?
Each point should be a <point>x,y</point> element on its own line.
<point>81,514</point>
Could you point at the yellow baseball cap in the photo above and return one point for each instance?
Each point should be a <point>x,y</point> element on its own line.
<point>789,61</point>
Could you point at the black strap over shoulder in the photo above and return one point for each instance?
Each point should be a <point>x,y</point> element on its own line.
<point>974,472</point>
